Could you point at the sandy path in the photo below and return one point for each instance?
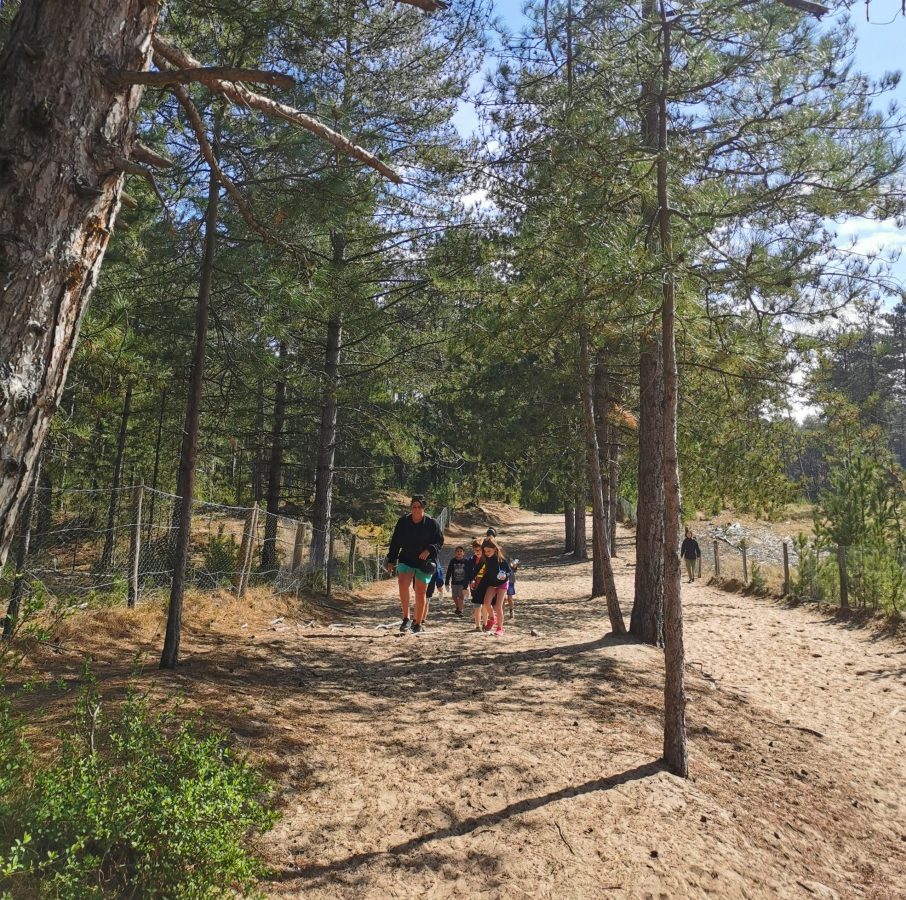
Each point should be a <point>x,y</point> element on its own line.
<point>458,764</point>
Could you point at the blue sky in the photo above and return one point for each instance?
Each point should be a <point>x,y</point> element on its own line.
<point>881,48</point>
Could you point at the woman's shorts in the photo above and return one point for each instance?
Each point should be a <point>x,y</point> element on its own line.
<point>423,577</point>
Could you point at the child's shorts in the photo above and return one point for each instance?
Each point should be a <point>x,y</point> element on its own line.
<point>458,591</point>
<point>478,596</point>
<point>511,590</point>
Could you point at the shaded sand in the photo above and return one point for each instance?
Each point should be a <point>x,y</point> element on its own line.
<point>458,764</point>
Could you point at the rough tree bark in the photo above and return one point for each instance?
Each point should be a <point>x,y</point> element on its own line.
<point>275,477</point>
<point>113,505</point>
<point>602,577</point>
<point>189,452</point>
<point>63,127</point>
<point>15,597</point>
<point>569,521</point>
<point>647,621</point>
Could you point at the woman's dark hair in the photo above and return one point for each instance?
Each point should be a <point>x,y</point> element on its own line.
<point>417,498</point>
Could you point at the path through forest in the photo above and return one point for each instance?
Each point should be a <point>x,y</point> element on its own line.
<point>460,764</point>
<point>457,764</point>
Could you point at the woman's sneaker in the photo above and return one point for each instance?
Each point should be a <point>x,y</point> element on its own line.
<point>404,626</point>
<point>416,628</point>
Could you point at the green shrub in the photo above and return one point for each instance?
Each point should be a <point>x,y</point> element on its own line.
<point>136,805</point>
<point>221,561</point>
<point>758,584</point>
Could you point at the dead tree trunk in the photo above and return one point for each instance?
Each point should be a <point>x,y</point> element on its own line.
<point>675,754</point>
<point>189,452</point>
<point>569,521</point>
<point>113,505</point>
<point>269,547</point>
<point>65,128</point>
<point>647,621</point>
<point>602,576</point>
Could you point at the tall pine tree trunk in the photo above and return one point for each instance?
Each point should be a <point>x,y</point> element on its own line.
<point>647,621</point>
<point>269,559</point>
<point>580,536</point>
<point>113,505</point>
<point>675,754</point>
<point>64,128</point>
<point>258,465</point>
<point>156,467</point>
<point>189,451</point>
<point>327,434</point>
<point>569,522</point>
<point>602,577</point>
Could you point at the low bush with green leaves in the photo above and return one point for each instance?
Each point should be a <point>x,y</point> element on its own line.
<point>135,804</point>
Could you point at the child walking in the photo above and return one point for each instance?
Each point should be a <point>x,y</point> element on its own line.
<point>458,572</point>
<point>476,572</point>
<point>495,576</point>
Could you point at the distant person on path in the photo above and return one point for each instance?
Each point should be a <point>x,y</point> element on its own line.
<point>414,547</point>
<point>493,581</point>
<point>691,553</point>
<point>511,589</point>
<point>458,572</point>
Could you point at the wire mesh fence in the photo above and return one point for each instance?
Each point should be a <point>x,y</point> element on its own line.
<point>120,545</point>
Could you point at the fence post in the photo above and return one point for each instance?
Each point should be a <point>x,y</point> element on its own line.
<point>786,568</point>
<point>329,580</point>
<point>135,542</point>
<point>717,559</point>
<point>745,565</point>
<point>28,517</point>
<point>844,581</point>
<point>299,545</point>
<point>247,550</point>
<point>350,564</point>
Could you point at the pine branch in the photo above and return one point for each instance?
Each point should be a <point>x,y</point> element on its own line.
<point>206,75</point>
<point>242,96</point>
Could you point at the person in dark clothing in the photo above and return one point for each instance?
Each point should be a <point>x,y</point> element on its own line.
<point>413,552</point>
<point>474,574</point>
<point>691,553</point>
<point>492,580</point>
<point>458,572</point>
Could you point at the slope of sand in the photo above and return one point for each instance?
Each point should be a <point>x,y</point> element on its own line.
<point>458,764</point>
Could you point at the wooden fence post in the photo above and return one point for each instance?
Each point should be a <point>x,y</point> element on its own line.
<point>135,542</point>
<point>745,564</point>
<point>350,563</point>
<point>844,581</point>
<point>786,568</point>
<point>717,559</point>
<point>247,550</point>
<point>299,545</point>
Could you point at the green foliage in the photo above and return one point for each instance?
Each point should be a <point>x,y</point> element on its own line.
<point>221,559</point>
<point>136,803</point>
<point>758,584</point>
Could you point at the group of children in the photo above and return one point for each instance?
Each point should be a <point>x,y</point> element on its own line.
<point>487,576</point>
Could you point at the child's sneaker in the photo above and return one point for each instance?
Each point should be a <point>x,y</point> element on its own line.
<point>498,631</point>
<point>490,623</point>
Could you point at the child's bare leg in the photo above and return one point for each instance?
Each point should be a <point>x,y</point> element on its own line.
<point>498,607</point>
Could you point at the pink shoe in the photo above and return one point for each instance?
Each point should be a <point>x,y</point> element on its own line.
<point>498,630</point>
<point>490,623</point>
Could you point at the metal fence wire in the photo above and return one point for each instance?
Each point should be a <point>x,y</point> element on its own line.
<point>108,545</point>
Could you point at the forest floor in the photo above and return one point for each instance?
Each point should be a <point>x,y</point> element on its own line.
<point>459,764</point>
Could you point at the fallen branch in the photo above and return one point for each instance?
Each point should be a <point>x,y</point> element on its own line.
<point>242,96</point>
<point>563,838</point>
<point>206,75</point>
<point>799,728</point>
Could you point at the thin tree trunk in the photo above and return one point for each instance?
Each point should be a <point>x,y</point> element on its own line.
<point>15,597</point>
<point>580,538</point>
<point>156,468</point>
<point>327,434</point>
<point>602,567</point>
<point>258,468</point>
<point>604,404</point>
<point>63,127</point>
<point>569,520</point>
<point>269,547</point>
<point>113,506</point>
<point>647,621</point>
<point>675,754</point>
<point>189,452</point>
